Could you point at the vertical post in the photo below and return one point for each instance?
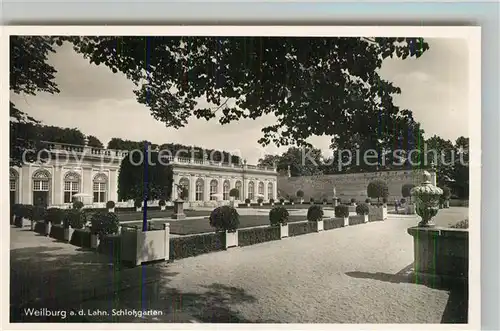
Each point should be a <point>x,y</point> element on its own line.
<point>145,186</point>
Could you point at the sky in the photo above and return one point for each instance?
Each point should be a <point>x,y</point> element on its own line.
<point>101,103</point>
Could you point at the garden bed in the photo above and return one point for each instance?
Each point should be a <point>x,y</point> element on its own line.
<point>182,247</point>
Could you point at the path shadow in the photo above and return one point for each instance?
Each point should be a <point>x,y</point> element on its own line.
<point>456,310</point>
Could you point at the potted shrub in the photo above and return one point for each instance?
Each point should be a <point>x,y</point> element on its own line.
<point>384,201</point>
<point>247,201</point>
<point>234,194</point>
<point>225,219</point>
<point>292,200</point>
<point>300,195</point>
<point>353,202</point>
<point>325,201</point>
<point>102,224</point>
<point>368,201</point>
<point>406,191</point>
<point>77,204</point>
<point>278,216</point>
<point>111,206</point>
<point>363,209</point>
<point>378,189</point>
<point>271,201</point>
<point>72,220</point>
<point>53,216</point>
<point>138,202</point>
<point>37,215</point>
<point>315,214</point>
<point>260,201</point>
<point>282,201</point>
<point>342,211</point>
<point>311,201</point>
<point>162,203</point>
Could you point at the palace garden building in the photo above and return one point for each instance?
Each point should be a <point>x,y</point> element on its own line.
<point>91,174</point>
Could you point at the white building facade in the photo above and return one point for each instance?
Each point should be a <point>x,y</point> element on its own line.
<point>92,174</point>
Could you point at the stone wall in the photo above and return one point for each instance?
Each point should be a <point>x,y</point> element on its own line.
<point>347,186</point>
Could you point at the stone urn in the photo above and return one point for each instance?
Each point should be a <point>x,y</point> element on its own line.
<point>427,198</point>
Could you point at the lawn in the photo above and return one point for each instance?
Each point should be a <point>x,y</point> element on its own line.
<point>195,226</point>
<point>136,216</point>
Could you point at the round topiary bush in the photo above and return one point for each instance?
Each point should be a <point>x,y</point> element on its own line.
<point>54,216</point>
<point>342,211</point>
<point>110,204</point>
<point>300,194</point>
<point>234,193</point>
<point>260,200</point>
<point>278,215</point>
<point>104,223</point>
<point>325,200</point>
<point>162,202</point>
<point>247,201</point>
<point>368,201</point>
<point>311,201</point>
<point>353,200</point>
<point>77,205</point>
<point>291,199</point>
<point>446,193</point>
<point>271,200</point>
<point>315,213</point>
<point>384,200</point>
<point>402,201</point>
<point>73,218</point>
<point>406,190</point>
<point>224,218</point>
<point>362,209</point>
<point>377,189</point>
<point>138,202</point>
<point>282,200</point>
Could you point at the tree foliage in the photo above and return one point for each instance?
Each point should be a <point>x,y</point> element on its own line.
<point>133,184</point>
<point>377,189</point>
<point>303,161</point>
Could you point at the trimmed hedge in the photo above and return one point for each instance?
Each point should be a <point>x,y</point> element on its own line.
<point>57,232</point>
<point>258,235</point>
<point>39,228</point>
<point>182,247</point>
<point>297,229</point>
<point>333,223</point>
<point>80,238</point>
<point>355,220</point>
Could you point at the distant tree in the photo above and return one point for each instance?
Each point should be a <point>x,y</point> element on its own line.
<point>460,173</point>
<point>94,142</point>
<point>377,189</point>
<point>406,190</point>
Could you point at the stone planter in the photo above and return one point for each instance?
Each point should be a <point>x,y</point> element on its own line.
<point>366,218</point>
<point>447,204</point>
<point>163,207</point>
<point>346,221</point>
<point>283,230</point>
<point>138,208</point>
<point>248,205</point>
<point>441,254</point>
<point>272,203</point>
<point>178,210</point>
<point>260,204</point>
<point>68,233</point>
<point>94,241</point>
<point>282,203</point>
<point>292,203</point>
<point>301,201</point>
<point>139,246</point>
<point>231,239</point>
<point>319,226</point>
<point>48,226</point>
<point>378,213</point>
<point>111,210</point>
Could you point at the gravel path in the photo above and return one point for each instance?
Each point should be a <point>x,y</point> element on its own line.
<point>341,276</point>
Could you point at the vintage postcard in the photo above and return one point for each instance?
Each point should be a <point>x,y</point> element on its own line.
<point>242,174</point>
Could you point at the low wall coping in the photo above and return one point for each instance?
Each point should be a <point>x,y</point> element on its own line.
<point>438,232</point>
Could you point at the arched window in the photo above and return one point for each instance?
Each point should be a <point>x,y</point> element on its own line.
<point>213,189</point>
<point>270,191</point>
<point>71,186</point>
<point>225,190</point>
<point>41,187</point>
<point>100,188</point>
<point>199,189</point>
<point>261,190</point>
<point>184,182</point>
<point>251,190</point>
<point>13,185</point>
<point>238,187</point>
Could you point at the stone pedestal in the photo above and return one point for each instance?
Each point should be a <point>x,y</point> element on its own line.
<point>178,210</point>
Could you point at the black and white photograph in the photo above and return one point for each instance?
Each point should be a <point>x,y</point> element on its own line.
<point>246,175</point>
